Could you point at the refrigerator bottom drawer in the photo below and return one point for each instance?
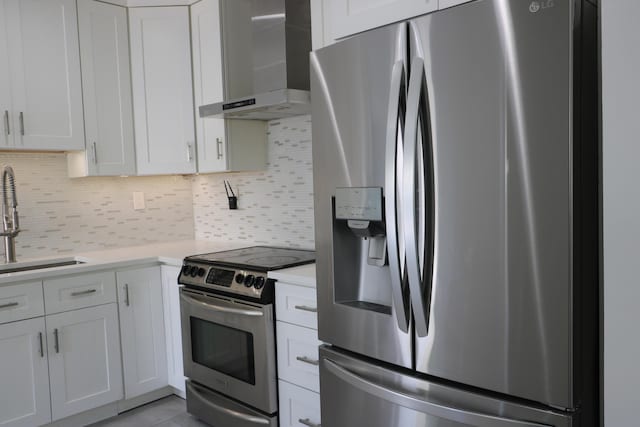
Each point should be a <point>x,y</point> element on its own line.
<point>356,392</point>
<point>220,411</point>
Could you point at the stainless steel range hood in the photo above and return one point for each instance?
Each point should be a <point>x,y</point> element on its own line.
<point>265,46</point>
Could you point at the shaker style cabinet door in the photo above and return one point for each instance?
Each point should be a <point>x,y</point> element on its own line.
<point>84,359</point>
<point>347,17</point>
<point>24,397</point>
<point>173,325</point>
<point>44,69</point>
<point>162,90</point>
<point>6,107</point>
<point>106,84</point>
<point>142,328</point>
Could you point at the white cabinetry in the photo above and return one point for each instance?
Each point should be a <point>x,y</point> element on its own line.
<point>106,83</point>
<point>171,294</point>
<point>40,87</point>
<point>162,90</point>
<point>24,376</point>
<point>142,328</point>
<point>297,338</point>
<point>223,145</point>
<point>84,359</point>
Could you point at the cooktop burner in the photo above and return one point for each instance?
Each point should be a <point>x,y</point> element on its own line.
<point>258,258</point>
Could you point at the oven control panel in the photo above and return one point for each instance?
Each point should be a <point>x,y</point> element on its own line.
<point>246,283</point>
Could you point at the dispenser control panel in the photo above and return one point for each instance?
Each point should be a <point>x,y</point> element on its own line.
<point>359,203</point>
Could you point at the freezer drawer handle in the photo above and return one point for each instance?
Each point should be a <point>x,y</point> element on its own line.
<point>417,403</point>
<point>308,422</point>
<point>308,360</point>
<point>235,414</point>
<point>192,300</point>
<point>306,308</point>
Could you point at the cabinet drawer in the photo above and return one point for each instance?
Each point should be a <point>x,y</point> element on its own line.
<point>21,301</point>
<point>298,406</point>
<point>297,305</point>
<point>298,355</point>
<point>72,292</point>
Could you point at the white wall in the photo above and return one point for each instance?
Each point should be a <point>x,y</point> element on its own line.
<point>60,215</point>
<point>621,210</point>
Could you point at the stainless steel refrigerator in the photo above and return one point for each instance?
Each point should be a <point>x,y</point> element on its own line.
<point>457,219</point>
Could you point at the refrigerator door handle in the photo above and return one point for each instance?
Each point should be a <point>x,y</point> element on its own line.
<point>396,261</point>
<point>418,403</point>
<point>419,301</point>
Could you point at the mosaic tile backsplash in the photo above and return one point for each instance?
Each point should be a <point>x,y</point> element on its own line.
<point>60,215</point>
<point>275,207</point>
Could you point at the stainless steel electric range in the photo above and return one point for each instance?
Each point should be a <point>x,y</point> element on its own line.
<point>228,333</point>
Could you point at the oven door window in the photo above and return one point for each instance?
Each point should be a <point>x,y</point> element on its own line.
<point>223,349</point>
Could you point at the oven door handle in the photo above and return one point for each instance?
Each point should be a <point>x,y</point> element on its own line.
<point>197,392</point>
<point>196,300</point>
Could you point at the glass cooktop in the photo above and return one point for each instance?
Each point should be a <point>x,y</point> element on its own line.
<point>258,258</point>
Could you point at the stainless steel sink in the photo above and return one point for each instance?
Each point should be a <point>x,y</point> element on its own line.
<point>16,267</point>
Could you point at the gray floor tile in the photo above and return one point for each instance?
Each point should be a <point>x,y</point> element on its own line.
<point>167,412</point>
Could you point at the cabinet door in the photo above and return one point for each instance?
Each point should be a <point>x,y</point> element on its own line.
<point>162,90</point>
<point>347,17</point>
<point>106,83</point>
<point>45,74</point>
<point>171,294</point>
<point>144,354</point>
<point>298,406</point>
<point>6,108</point>
<point>84,359</point>
<point>24,394</point>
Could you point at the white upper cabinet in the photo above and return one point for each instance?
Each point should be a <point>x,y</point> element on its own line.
<point>162,90</point>
<point>223,145</point>
<point>106,82</point>
<point>44,109</point>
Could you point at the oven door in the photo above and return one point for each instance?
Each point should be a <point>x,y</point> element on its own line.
<point>229,347</point>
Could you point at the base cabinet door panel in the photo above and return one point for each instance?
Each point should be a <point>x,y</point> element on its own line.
<point>84,359</point>
<point>173,325</point>
<point>142,328</point>
<point>298,406</point>
<point>24,376</point>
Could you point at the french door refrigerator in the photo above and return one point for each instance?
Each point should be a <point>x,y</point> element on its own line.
<point>456,210</point>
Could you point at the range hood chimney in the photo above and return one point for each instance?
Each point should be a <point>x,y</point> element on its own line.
<point>265,47</point>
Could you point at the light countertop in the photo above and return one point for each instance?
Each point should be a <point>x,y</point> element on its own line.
<point>304,275</point>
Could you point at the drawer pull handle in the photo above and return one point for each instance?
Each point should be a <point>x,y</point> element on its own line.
<point>7,126</point>
<point>126,295</point>
<point>41,346</point>
<point>307,422</point>
<point>305,359</point>
<point>56,342</point>
<point>306,308</point>
<point>11,304</point>
<point>87,292</point>
<point>219,147</point>
<point>21,123</point>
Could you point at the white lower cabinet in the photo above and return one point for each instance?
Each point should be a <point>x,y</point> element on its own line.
<point>24,377</point>
<point>171,293</point>
<point>298,406</point>
<point>144,356</point>
<point>298,355</point>
<point>84,359</point>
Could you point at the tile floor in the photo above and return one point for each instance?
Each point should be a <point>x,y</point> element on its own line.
<point>168,412</point>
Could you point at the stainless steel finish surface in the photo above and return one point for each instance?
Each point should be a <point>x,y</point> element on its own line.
<point>10,218</point>
<point>272,105</point>
<point>127,302</point>
<point>308,422</point>
<point>306,308</point>
<point>266,45</point>
<point>219,147</point>
<point>305,359</point>
<point>235,287</point>
<point>21,117</point>
<point>87,292</point>
<point>9,305</point>
<point>233,314</point>
<point>56,342</point>
<point>36,265</point>
<point>41,344</point>
<point>222,412</point>
<point>95,152</point>
<point>499,80</point>
<point>7,124</point>
<point>375,396</point>
<point>350,111</point>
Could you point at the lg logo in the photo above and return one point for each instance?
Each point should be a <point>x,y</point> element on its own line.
<point>535,6</point>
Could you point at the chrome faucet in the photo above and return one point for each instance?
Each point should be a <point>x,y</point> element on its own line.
<point>10,223</point>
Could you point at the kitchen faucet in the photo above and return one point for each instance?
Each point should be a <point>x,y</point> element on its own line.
<point>10,224</point>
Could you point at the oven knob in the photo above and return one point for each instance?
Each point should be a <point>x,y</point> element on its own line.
<point>259,284</point>
<point>239,278</point>
<point>200,272</point>
<point>194,271</point>
<point>248,281</point>
<point>186,269</point>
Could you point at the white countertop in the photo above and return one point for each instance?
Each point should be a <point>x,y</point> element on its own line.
<point>304,275</point>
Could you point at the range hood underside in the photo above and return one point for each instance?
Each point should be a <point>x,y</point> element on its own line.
<point>272,105</point>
